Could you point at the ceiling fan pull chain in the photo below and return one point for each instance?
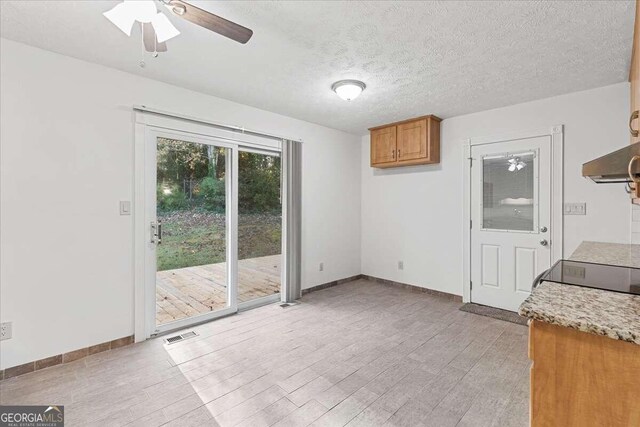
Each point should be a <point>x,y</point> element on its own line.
<point>142,63</point>
<point>155,46</point>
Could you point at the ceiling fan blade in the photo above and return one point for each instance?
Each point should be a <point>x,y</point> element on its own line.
<point>150,42</point>
<point>210,21</point>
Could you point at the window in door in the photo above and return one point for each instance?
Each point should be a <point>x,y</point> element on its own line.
<point>508,192</point>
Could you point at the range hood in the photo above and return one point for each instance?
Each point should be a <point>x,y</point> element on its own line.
<point>614,167</point>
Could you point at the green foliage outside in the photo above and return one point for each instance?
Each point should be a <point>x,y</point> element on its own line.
<point>191,204</point>
<point>193,176</point>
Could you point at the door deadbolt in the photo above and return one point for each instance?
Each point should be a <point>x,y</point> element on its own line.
<point>543,229</point>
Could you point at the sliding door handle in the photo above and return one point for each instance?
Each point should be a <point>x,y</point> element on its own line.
<point>156,232</point>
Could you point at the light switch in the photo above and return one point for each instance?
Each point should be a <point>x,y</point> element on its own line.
<point>125,207</point>
<point>575,208</point>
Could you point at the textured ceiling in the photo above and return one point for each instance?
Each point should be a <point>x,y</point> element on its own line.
<point>446,58</point>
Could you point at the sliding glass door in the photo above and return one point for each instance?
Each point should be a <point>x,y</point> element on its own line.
<point>214,228</point>
<point>259,227</point>
<point>190,229</point>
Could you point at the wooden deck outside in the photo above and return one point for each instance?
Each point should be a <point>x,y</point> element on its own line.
<point>186,292</point>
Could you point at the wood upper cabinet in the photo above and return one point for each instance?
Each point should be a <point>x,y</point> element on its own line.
<point>383,145</point>
<point>634,79</point>
<point>410,142</point>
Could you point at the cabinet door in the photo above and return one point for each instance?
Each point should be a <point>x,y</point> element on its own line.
<point>383,145</point>
<point>634,76</point>
<point>634,79</point>
<point>412,141</point>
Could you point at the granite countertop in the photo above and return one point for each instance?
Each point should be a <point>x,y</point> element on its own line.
<point>608,253</point>
<point>595,311</point>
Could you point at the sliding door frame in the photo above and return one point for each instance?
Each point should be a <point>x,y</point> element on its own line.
<point>148,128</point>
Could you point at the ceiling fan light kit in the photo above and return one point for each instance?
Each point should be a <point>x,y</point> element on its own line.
<point>157,28</point>
<point>125,14</point>
<point>164,28</point>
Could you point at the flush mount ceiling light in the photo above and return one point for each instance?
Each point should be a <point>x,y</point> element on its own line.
<point>348,89</point>
<point>516,164</point>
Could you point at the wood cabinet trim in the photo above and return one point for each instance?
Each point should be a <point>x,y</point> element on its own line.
<point>430,116</point>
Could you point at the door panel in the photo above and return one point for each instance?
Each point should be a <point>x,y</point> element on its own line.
<point>526,265</point>
<point>191,204</point>
<point>189,240</point>
<point>412,140</point>
<point>383,145</point>
<point>491,265</point>
<point>634,75</point>
<point>510,213</point>
<point>259,226</point>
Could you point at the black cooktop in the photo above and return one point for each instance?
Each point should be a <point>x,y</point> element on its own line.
<point>598,276</point>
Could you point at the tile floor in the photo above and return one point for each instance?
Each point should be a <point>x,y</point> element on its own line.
<point>358,354</point>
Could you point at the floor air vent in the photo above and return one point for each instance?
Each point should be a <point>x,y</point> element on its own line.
<point>177,338</point>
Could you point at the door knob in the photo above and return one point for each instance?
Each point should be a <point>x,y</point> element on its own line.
<point>544,242</point>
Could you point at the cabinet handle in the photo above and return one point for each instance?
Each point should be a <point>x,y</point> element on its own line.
<point>633,131</point>
<point>632,176</point>
<point>399,153</point>
<point>393,153</point>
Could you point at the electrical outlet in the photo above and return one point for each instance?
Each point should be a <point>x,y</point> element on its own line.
<point>321,266</point>
<point>400,265</point>
<point>5,331</point>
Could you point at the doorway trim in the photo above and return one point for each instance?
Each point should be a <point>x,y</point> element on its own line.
<point>556,135</point>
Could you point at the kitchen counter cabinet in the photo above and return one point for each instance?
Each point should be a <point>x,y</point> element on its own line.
<point>581,379</point>
<point>585,347</point>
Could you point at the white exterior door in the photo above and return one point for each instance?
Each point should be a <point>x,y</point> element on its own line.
<point>510,219</point>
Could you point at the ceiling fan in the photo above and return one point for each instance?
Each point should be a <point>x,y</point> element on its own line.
<point>157,28</point>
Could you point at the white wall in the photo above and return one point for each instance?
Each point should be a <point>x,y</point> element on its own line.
<point>67,159</point>
<point>415,214</point>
